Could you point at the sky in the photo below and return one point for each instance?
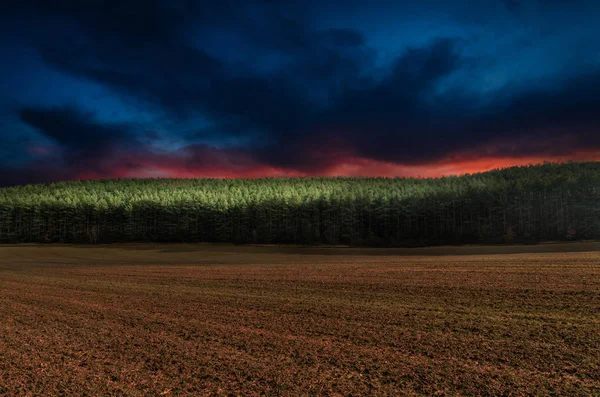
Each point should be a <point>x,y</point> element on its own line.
<point>141,88</point>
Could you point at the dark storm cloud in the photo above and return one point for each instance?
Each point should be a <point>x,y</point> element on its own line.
<point>567,108</point>
<point>375,119</point>
<point>72,129</point>
<point>316,94</point>
<point>163,68</point>
<point>82,142</point>
<point>84,147</point>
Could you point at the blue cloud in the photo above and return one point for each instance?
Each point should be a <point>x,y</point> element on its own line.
<point>401,83</point>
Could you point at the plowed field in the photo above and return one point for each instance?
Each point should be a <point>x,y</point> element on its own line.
<point>179,320</point>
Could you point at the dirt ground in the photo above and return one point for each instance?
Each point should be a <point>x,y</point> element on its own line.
<point>195,320</point>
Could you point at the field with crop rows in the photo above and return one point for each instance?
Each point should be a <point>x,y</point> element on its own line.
<point>194,320</point>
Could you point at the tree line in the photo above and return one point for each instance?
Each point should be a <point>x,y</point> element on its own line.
<point>518,204</point>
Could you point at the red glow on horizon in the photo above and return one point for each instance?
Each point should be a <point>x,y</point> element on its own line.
<point>455,165</point>
<point>175,167</point>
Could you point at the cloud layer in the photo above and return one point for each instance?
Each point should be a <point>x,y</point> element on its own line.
<point>225,89</point>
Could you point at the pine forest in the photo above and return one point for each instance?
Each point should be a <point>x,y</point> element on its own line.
<point>524,204</point>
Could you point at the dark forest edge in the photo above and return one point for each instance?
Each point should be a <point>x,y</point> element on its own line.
<point>154,252</point>
<point>527,204</point>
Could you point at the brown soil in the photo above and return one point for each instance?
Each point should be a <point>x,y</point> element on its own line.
<point>179,320</point>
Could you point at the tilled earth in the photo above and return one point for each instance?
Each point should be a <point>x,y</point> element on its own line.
<point>195,320</point>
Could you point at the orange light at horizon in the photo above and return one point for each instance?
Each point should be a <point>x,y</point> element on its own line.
<point>354,168</point>
<point>446,167</point>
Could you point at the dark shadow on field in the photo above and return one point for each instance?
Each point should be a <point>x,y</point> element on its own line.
<point>354,251</point>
